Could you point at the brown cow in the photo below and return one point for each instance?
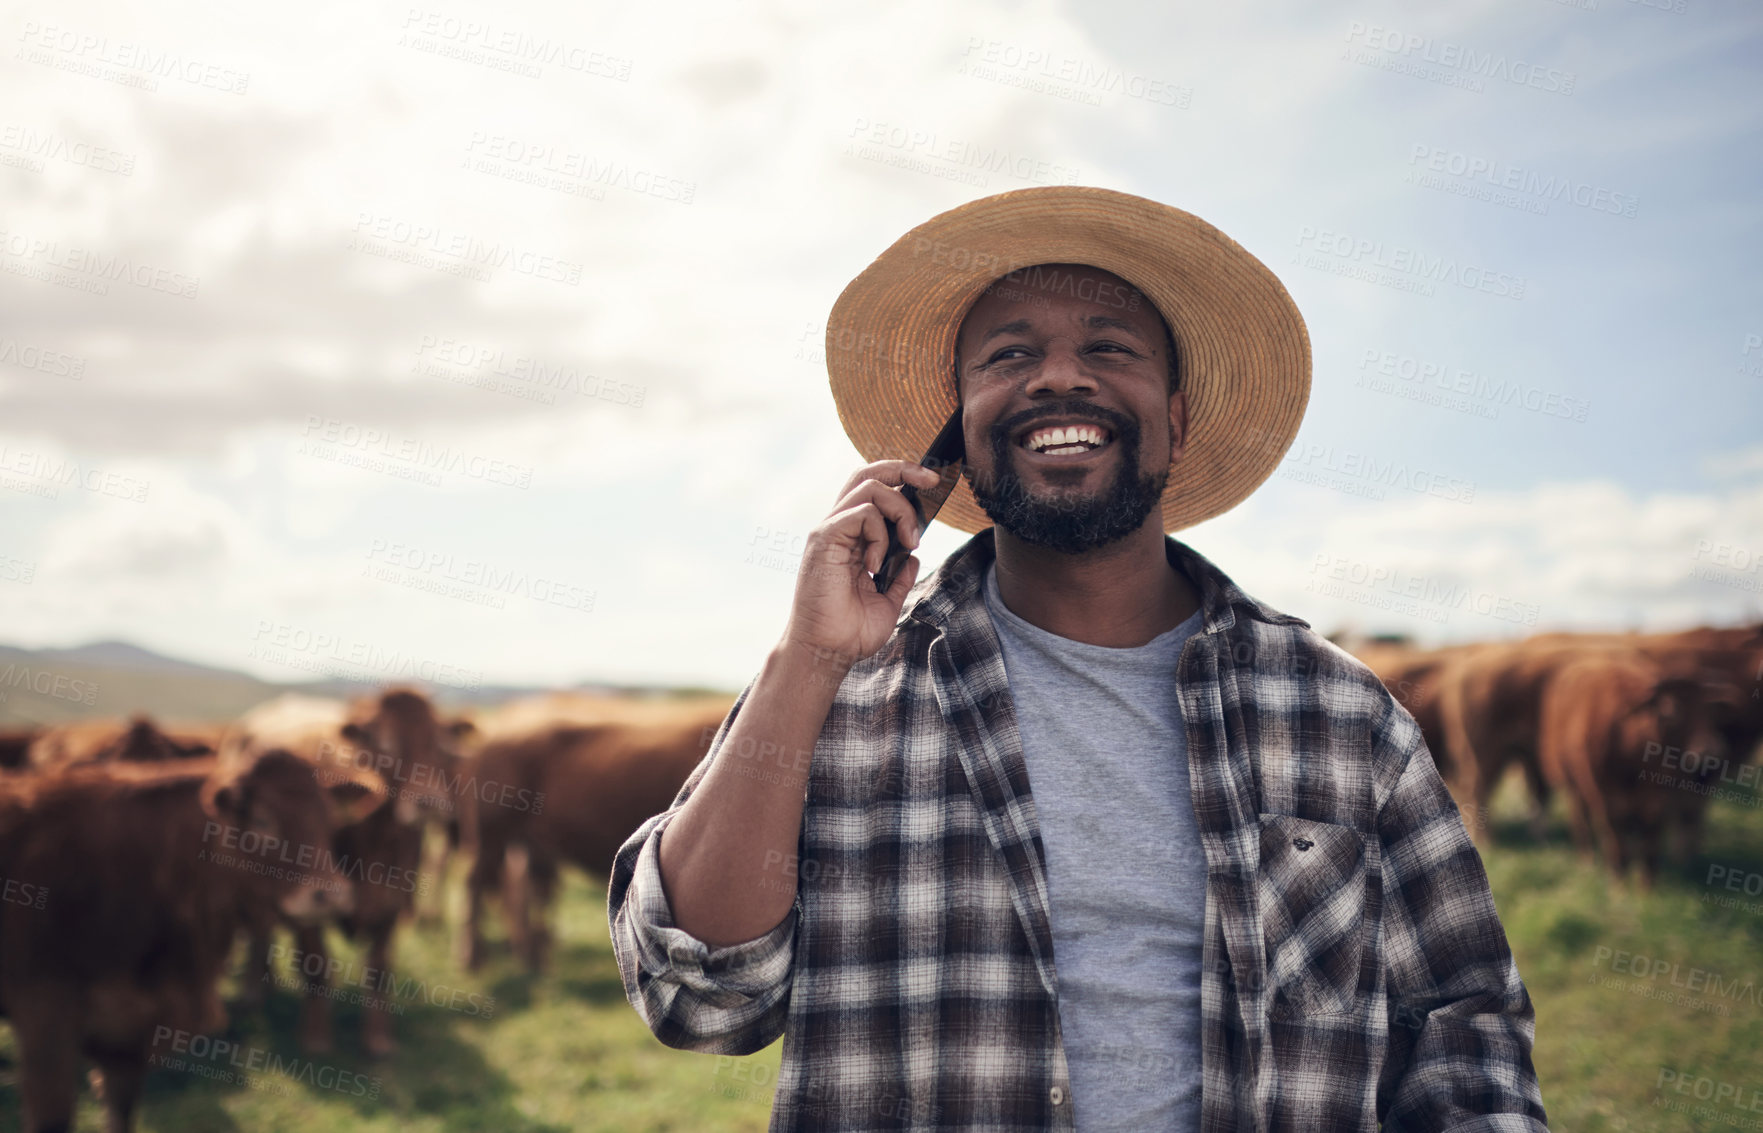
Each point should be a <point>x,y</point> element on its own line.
<point>1490,701</point>
<point>126,883</point>
<point>135,740</point>
<point>396,735</point>
<point>1608,718</point>
<point>571,793</point>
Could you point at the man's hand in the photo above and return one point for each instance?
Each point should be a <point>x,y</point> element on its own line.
<point>837,613</point>
<point>719,856</point>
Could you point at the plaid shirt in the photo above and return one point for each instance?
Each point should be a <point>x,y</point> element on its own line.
<point>1354,969</point>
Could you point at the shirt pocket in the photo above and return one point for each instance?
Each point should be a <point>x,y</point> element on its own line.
<point>1311,885</point>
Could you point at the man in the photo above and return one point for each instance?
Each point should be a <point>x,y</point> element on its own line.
<point>1237,896</point>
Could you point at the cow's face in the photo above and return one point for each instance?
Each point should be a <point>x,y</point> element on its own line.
<point>410,748</point>
<point>277,815</point>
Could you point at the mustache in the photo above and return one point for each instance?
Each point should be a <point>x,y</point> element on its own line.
<point>1124,428</point>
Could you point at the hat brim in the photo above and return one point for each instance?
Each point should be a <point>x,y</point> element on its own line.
<point>1243,349</point>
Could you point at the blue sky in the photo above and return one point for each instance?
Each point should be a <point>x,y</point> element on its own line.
<point>242,325</point>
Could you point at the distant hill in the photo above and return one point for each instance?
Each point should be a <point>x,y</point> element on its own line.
<point>115,678</point>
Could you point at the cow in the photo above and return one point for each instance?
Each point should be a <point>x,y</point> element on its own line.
<point>1609,719</point>
<point>137,739</point>
<point>1490,701</point>
<point>569,793</point>
<point>395,734</point>
<point>137,877</point>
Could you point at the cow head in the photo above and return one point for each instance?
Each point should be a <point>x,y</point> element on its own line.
<point>273,815</point>
<point>410,748</point>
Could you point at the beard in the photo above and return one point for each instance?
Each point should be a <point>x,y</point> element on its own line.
<point>1069,521</point>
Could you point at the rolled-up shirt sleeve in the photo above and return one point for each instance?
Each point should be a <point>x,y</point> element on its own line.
<point>728,1000</point>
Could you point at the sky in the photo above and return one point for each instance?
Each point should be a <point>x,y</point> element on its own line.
<point>484,343</point>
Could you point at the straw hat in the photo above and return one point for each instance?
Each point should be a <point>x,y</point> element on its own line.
<point>1244,353</point>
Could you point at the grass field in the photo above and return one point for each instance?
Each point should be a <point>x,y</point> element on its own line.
<point>566,1052</point>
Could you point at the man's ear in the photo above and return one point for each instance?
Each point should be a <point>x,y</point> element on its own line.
<point>1178,424</point>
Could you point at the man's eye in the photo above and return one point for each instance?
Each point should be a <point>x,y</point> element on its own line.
<point>1110,346</point>
<point>1005,354</point>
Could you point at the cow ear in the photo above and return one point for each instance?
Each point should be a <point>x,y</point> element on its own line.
<point>353,795</point>
<point>225,800</point>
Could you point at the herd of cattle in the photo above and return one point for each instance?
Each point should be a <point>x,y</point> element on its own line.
<point>1636,731</point>
<point>134,854</point>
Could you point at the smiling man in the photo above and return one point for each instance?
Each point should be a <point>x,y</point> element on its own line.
<point>1074,834</point>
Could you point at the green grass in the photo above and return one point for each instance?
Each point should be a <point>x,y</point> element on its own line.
<point>566,1052</point>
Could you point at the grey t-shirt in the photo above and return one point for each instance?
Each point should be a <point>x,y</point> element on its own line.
<point>1126,876</point>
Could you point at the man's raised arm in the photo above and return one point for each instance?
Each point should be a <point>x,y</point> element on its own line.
<point>699,905</point>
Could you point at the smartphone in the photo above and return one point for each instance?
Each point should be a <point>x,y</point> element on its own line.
<point>946,454</point>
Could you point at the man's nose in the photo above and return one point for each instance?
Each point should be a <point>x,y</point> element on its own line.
<point>1061,372</point>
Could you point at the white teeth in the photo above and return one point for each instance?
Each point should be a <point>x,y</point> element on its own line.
<point>1044,440</point>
